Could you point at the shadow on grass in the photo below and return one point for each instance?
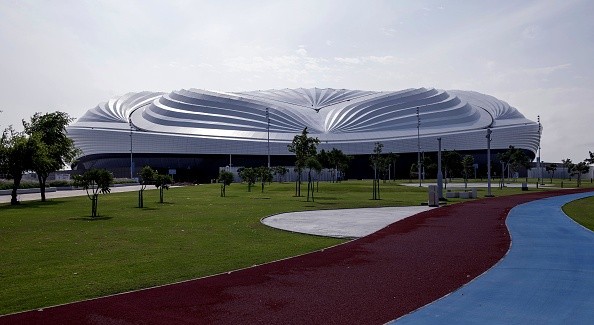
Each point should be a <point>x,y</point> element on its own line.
<point>91,218</point>
<point>31,204</point>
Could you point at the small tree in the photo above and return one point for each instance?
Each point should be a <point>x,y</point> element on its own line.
<point>225,178</point>
<point>551,168</point>
<point>162,182</point>
<point>94,181</point>
<point>17,157</point>
<point>280,172</point>
<point>451,161</point>
<point>579,169</point>
<point>568,165</point>
<point>249,176</point>
<point>311,164</point>
<point>376,163</point>
<point>303,147</point>
<point>467,163</point>
<point>147,176</point>
<point>264,174</point>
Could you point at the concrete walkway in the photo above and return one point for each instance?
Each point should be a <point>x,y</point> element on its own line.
<point>547,277</point>
<point>345,223</point>
<point>61,194</point>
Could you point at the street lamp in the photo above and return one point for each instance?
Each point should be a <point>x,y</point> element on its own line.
<point>419,146</point>
<point>539,161</point>
<point>131,158</point>
<point>268,134</point>
<point>489,162</point>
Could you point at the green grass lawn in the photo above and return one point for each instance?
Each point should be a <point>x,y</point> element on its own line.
<point>53,253</point>
<point>582,211</point>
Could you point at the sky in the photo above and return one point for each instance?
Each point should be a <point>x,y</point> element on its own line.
<point>536,55</point>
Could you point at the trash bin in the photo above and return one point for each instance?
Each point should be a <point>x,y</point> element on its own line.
<point>524,186</point>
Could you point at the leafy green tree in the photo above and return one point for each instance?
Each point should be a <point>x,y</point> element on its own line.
<point>451,160</point>
<point>56,149</point>
<point>579,169</point>
<point>568,165</point>
<point>551,168</point>
<point>467,163</point>
<point>311,164</point>
<point>16,157</point>
<point>376,161</point>
<point>147,176</point>
<point>225,178</point>
<point>162,182</point>
<point>94,181</point>
<point>280,172</point>
<point>303,147</point>
<point>249,175</point>
<point>339,162</point>
<point>264,174</point>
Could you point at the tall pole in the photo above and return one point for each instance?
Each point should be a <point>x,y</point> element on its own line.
<point>268,134</point>
<point>489,162</point>
<point>131,159</point>
<point>419,146</point>
<point>539,161</point>
<point>439,173</point>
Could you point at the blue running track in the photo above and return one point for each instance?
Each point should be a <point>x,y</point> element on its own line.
<point>547,277</point>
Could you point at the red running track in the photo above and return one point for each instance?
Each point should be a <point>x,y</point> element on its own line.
<point>371,280</point>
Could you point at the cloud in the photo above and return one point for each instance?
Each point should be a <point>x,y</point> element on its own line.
<point>387,59</point>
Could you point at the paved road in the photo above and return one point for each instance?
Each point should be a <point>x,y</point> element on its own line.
<point>547,277</point>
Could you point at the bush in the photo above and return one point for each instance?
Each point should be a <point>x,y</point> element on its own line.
<point>7,185</point>
<point>60,183</point>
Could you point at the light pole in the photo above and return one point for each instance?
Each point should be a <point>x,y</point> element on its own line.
<point>131,159</point>
<point>539,161</point>
<point>419,146</point>
<point>439,173</point>
<point>489,162</point>
<point>268,134</point>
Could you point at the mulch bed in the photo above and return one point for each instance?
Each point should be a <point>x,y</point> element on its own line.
<point>371,280</point>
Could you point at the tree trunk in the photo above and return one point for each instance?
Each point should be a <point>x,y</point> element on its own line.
<point>161,194</point>
<point>94,203</point>
<point>15,187</point>
<point>141,199</point>
<point>42,181</point>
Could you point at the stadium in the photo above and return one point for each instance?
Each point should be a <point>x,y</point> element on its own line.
<point>194,132</point>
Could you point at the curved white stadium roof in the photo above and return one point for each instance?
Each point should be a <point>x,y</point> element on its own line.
<point>206,122</point>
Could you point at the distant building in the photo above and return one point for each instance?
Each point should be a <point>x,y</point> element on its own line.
<point>196,131</point>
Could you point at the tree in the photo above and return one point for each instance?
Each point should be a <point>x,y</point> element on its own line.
<point>162,182</point>
<point>280,172</point>
<point>57,149</point>
<point>339,162</point>
<point>551,168</point>
<point>147,176</point>
<point>311,164</point>
<point>264,174</point>
<point>520,159</point>
<point>376,163</point>
<point>94,181</point>
<point>17,151</point>
<point>249,176</point>
<point>568,165</point>
<point>591,159</point>
<point>579,169</point>
<point>225,178</point>
<point>467,163</point>
<point>303,147</point>
<point>451,161</point>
